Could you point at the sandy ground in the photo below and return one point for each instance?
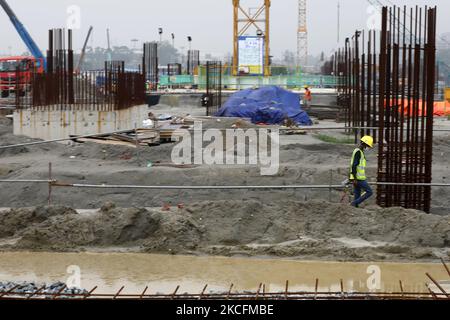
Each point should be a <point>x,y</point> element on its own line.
<point>303,160</point>
<point>302,223</point>
<point>303,230</point>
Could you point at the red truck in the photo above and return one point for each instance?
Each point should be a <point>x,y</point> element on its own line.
<point>8,73</point>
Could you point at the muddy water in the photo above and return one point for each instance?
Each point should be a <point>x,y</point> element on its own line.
<point>163,273</point>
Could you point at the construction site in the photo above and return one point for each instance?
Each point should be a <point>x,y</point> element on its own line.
<point>152,174</point>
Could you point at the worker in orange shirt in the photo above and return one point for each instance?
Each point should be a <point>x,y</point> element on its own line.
<point>307,99</point>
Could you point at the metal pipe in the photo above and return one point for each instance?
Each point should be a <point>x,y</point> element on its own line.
<point>104,186</point>
<point>337,186</point>
<point>27,181</point>
<point>56,183</point>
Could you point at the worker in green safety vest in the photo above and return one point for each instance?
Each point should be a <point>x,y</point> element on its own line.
<point>358,172</point>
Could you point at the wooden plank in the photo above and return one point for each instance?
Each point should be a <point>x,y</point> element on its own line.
<point>108,142</point>
<point>124,137</point>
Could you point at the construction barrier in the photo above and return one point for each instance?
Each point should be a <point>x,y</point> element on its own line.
<point>176,80</point>
<point>441,108</point>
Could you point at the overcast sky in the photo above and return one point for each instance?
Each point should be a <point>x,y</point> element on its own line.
<point>209,22</point>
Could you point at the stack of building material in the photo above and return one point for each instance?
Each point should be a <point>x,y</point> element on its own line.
<point>132,138</point>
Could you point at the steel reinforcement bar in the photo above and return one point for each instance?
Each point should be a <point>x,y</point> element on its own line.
<point>260,294</point>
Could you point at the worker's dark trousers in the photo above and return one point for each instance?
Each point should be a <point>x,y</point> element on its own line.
<point>360,186</point>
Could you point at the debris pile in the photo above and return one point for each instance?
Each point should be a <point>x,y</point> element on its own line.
<point>131,138</point>
<point>44,291</point>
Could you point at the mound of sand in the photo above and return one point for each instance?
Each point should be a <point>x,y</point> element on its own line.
<point>290,229</point>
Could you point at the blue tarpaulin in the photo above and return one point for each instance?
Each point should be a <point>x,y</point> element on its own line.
<point>269,105</point>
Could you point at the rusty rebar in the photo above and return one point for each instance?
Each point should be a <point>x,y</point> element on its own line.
<point>445,266</point>
<point>397,79</point>
<point>297,295</point>
<point>437,284</point>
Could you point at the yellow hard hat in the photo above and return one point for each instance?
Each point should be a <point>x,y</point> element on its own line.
<point>367,140</point>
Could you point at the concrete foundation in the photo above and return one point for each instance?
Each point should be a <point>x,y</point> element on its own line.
<point>48,125</point>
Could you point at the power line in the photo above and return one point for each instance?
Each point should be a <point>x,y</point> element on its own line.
<point>407,14</point>
<point>440,37</point>
<point>379,10</point>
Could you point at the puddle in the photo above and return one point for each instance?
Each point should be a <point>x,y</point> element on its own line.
<point>162,273</point>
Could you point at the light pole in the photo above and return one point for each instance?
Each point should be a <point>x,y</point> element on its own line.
<point>160,31</point>
<point>189,38</point>
<point>173,40</point>
<point>134,43</point>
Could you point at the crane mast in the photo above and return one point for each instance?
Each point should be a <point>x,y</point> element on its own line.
<point>302,35</point>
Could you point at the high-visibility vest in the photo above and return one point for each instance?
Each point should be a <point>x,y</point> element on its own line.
<point>361,168</point>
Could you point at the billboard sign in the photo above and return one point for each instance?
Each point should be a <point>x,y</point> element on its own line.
<point>251,55</point>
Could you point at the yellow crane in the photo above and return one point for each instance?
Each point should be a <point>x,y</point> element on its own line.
<point>242,21</point>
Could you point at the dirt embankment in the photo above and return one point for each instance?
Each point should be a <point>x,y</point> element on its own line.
<point>303,230</point>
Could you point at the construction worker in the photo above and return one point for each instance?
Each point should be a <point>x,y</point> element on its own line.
<point>307,98</point>
<point>358,172</point>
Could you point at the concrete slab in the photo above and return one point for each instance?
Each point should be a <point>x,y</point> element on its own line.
<point>50,125</point>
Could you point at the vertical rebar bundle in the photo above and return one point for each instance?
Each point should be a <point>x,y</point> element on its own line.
<point>150,64</point>
<point>406,103</point>
<point>391,88</point>
<point>193,61</point>
<point>356,69</point>
<point>60,87</point>
<point>213,87</point>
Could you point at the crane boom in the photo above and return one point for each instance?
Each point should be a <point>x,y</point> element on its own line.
<point>23,33</point>
<point>83,51</point>
<point>108,52</point>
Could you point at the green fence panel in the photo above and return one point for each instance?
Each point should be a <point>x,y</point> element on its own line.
<point>176,80</point>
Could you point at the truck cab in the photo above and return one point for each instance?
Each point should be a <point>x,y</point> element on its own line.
<point>21,67</point>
